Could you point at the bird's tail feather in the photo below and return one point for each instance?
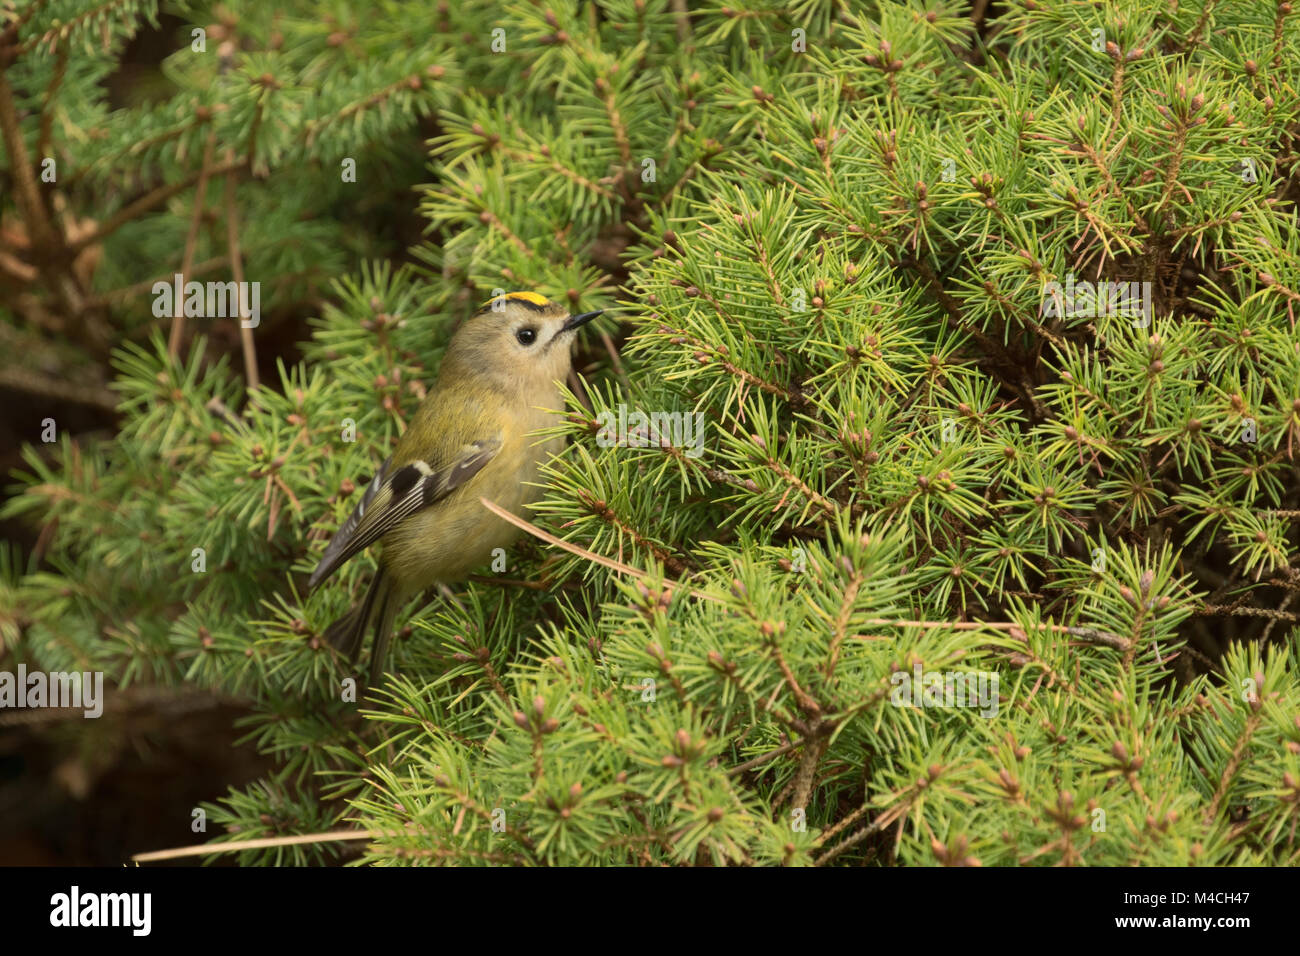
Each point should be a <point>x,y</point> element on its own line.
<point>379,607</point>
<point>388,608</point>
<point>347,632</point>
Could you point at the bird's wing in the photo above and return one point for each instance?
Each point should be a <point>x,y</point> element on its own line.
<point>391,499</point>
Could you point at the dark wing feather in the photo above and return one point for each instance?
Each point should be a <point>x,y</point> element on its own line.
<point>333,557</point>
<point>391,499</point>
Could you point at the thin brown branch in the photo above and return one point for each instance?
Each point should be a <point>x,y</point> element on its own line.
<point>583,552</point>
<point>40,230</point>
<point>1227,610</point>
<point>148,201</point>
<point>28,380</point>
<point>126,293</point>
<point>1233,764</point>
<point>764,758</point>
<point>235,846</point>
<point>237,271</point>
<point>63,30</point>
<point>47,104</point>
<point>806,776</point>
<point>1086,634</point>
<point>191,240</point>
<point>849,842</point>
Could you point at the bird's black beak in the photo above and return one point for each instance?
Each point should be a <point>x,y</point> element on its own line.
<point>576,320</point>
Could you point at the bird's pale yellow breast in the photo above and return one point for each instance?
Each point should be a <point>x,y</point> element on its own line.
<point>447,541</point>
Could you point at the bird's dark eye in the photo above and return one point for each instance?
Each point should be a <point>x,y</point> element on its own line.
<point>526,336</point>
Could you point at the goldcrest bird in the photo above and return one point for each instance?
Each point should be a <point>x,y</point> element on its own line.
<point>499,382</point>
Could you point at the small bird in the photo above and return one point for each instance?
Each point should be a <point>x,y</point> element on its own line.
<point>499,382</point>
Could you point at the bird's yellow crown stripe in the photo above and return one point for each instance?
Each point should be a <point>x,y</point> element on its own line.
<point>532,297</point>
<point>525,297</point>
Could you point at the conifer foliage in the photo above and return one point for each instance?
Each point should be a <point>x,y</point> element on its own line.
<point>938,346</point>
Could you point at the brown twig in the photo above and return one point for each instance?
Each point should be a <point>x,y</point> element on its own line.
<point>33,382</point>
<point>47,104</point>
<point>583,552</point>
<point>207,849</point>
<point>1086,634</point>
<point>1234,762</point>
<point>237,271</point>
<point>806,775</point>
<point>191,240</point>
<point>148,201</point>
<point>764,758</point>
<point>40,229</point>
<point>875,826</point>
